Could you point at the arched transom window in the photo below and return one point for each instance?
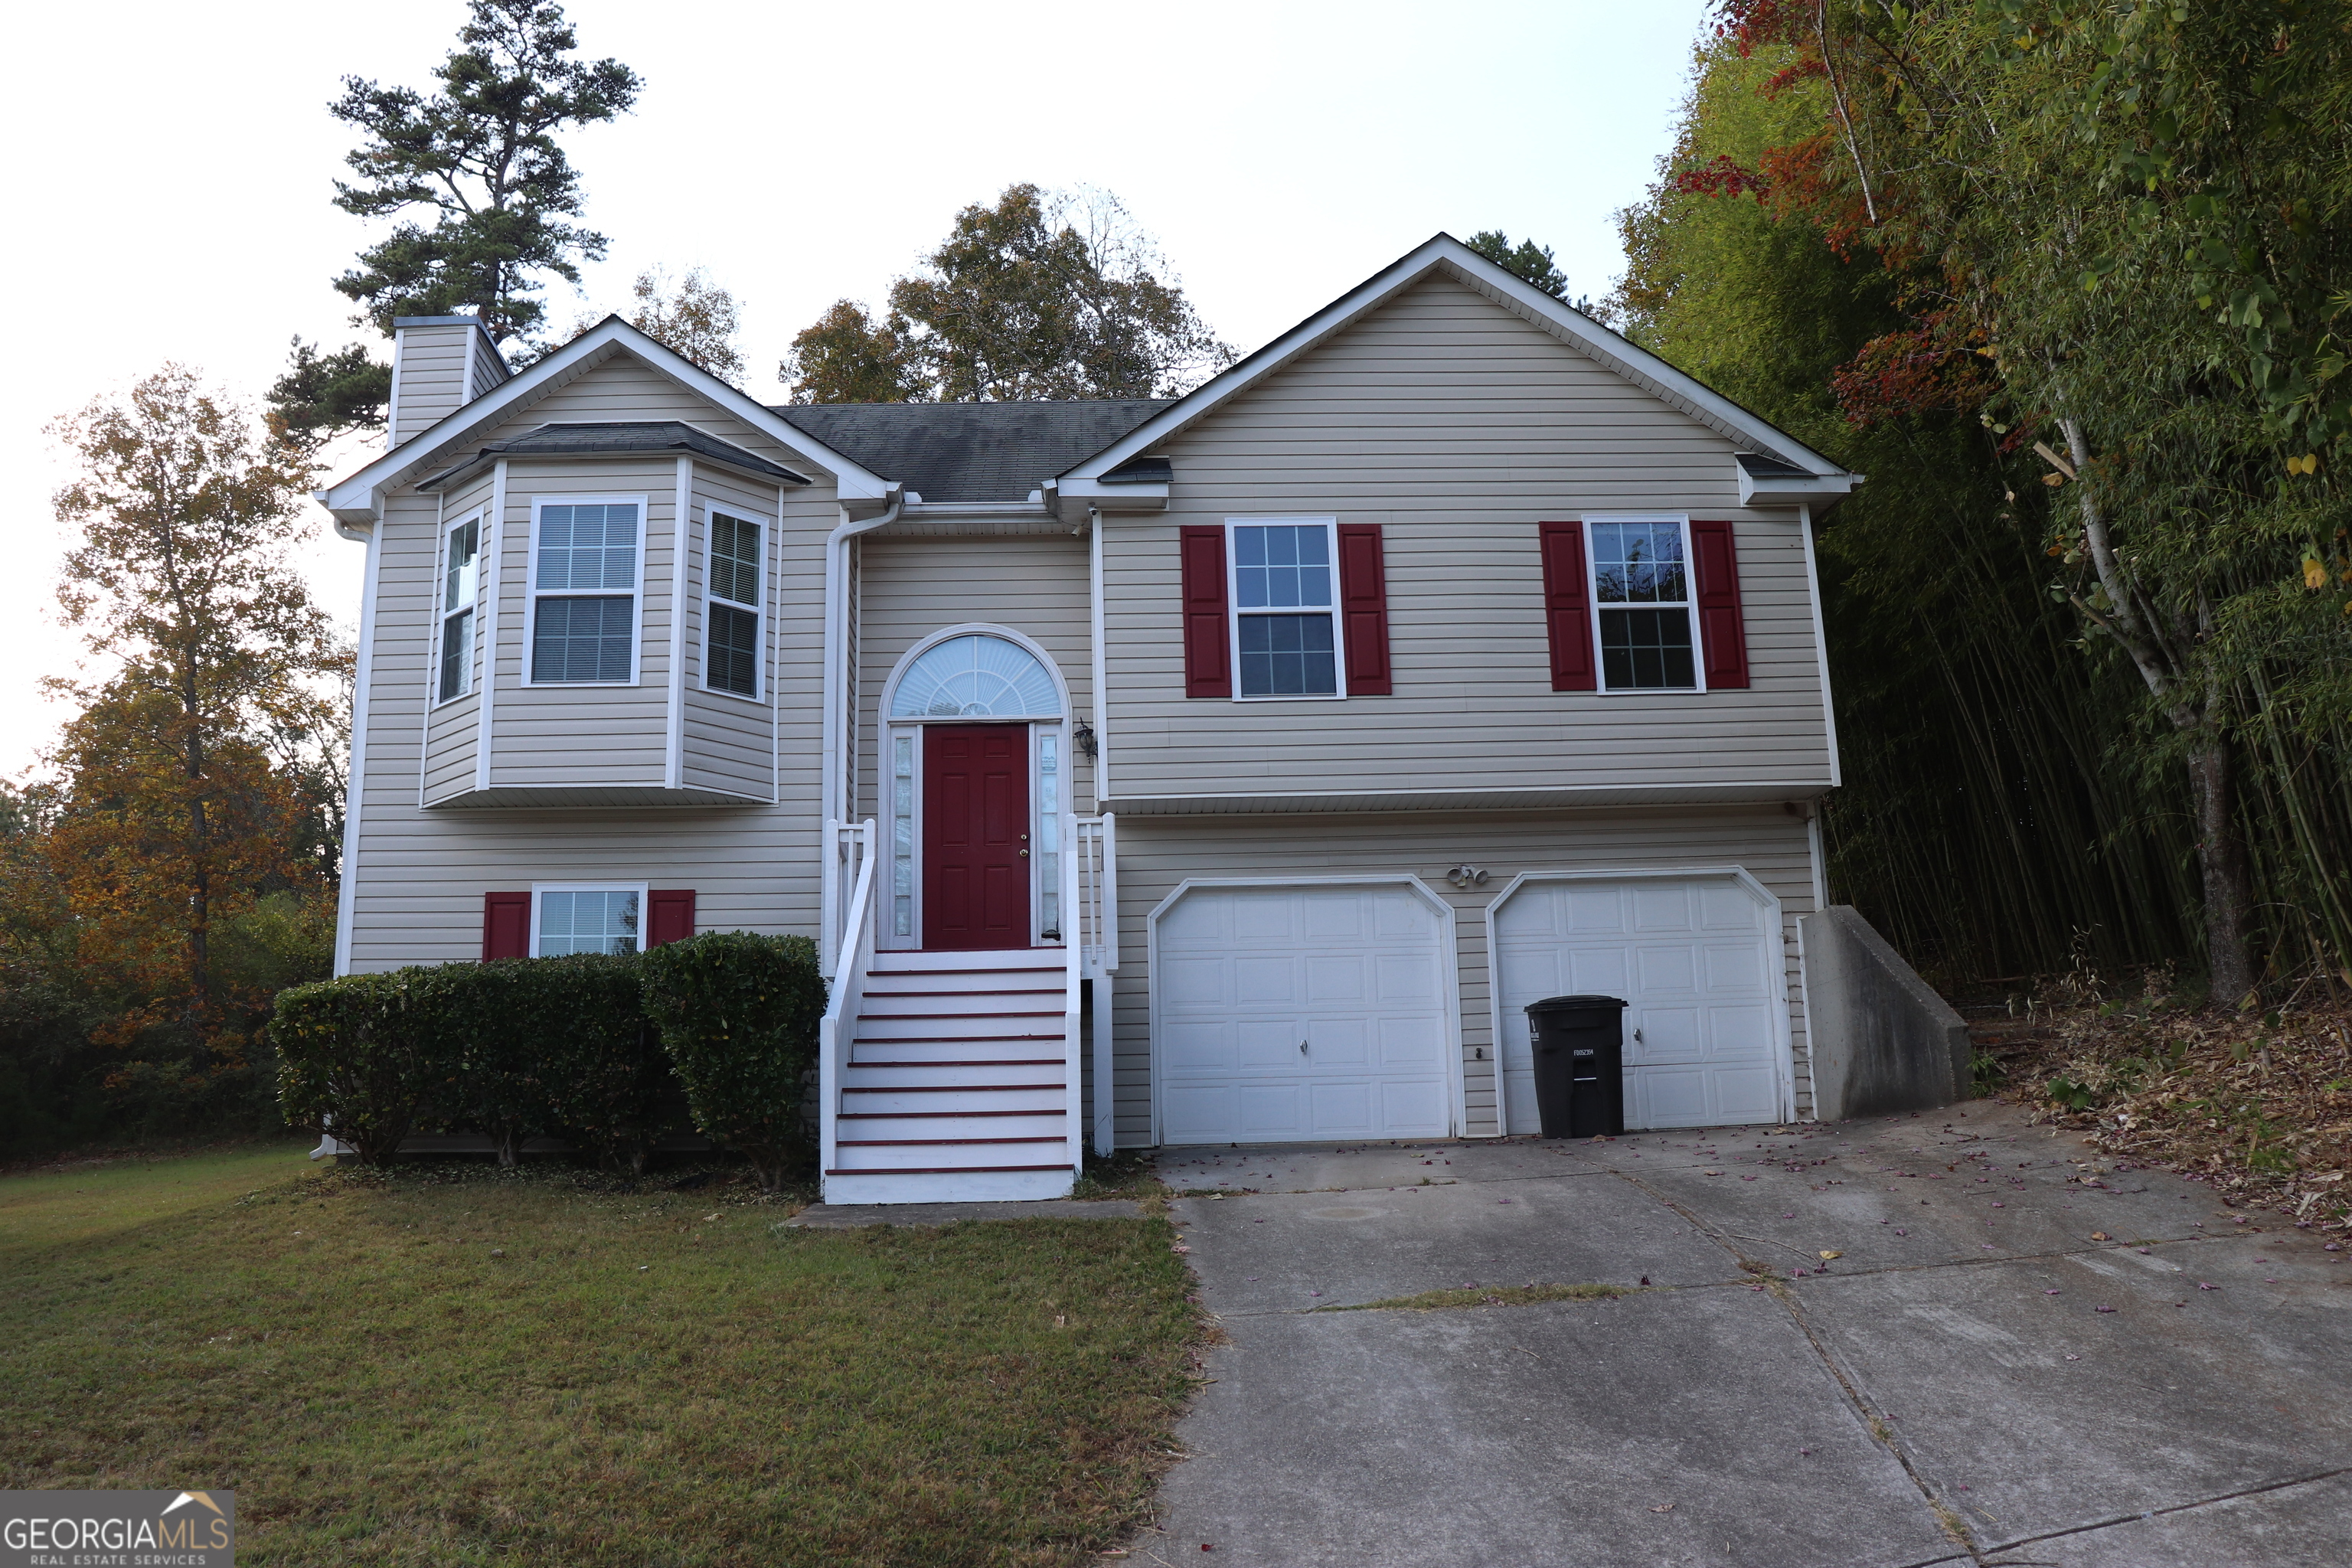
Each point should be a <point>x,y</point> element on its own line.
<point>976,676</point>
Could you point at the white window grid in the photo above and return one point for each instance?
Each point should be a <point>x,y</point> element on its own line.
<point>755,605</point>
<point>567,897</point>
<point>534,593</point>
<point>469,608</point>
<point>1689,605</point>
<point>1234,613</point>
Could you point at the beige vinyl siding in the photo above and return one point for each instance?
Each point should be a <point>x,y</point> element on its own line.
<point>1458,427</point>
<point>452,729</point>
<point>729,740</point>
<point>489,372</point>
<point>431,373</point>
<point>910,587</point>
<point>1156,854</point>
<point>624,389</point>
<point>418,876</point>
<point>545,736</point>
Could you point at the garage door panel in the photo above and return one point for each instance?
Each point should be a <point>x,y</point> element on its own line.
<point>1196,1114</point>
<point>1337,978</point>
<point>1194,980</point>
<point>1412,1109</point>
<point>1259,917</point>
<point>1748,1094</point>
<point>1342,1110</point>
<point>1411,1042</point>
<point>1197,1046</point>
<point>1245,975</point>
<point>1333,918</point>
<point>1267,1044</point>
<point>1594,972</point>
<point>1261,980</point>
<point>1335,1043</point>
<point>1664,969</point>
<point>1268,1111</point>
<point>1697,961</point>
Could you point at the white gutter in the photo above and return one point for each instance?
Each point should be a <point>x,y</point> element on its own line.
<point>834,788</point>
<point>355,778</point>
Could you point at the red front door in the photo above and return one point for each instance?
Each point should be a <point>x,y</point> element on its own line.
<point>976,835</point>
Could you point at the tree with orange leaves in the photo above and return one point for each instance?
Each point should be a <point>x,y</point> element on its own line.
<point>190,781</point>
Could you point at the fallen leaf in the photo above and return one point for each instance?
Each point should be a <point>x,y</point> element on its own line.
<point>2103,1309</point>
<point>1832,1254</point>
<point>1662,1508</point>
<point>2101,1235</point>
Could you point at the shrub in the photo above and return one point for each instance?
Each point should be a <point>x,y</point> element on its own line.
<point>352,1052</point>
<point>482,1052</point>
<point>739,1015</point>
<point>605,1071</point>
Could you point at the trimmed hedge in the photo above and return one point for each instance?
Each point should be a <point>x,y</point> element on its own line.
<point>516,1048</point>
<point>739,1015</point>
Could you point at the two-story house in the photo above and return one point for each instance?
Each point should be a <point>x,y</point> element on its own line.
<point>1224,770</point>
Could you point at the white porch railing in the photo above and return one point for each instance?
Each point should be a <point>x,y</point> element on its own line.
<point>849,855</point>
<point>1073,971</point>
<point>847,846</point>
<point>1094,944</point>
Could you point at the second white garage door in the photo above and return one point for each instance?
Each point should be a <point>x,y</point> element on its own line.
<point>1697,958</point>
<point>1300,1014</point>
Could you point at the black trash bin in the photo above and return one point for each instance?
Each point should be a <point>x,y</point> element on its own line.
<point>1580,1048</point>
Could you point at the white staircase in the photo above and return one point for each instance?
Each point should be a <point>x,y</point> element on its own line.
<point>955,1083</point>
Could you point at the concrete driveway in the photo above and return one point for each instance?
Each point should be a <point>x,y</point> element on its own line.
<point>1977,1377</point>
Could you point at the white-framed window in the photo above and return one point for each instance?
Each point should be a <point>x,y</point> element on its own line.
<point>730,607</point>
<point>1644,627</point>
<point>567,918</point>
<point>462,567</point>
<point>1285,594</point>
<point>585,557</point>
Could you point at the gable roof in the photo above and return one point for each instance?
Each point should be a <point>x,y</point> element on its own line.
<point>970,451</point>
<point>359,499</point>
<point>1444,255</point>
<point>622,439</point>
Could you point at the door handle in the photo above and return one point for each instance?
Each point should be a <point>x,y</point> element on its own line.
<point>1025,854</point>
<point>1302,1047</point>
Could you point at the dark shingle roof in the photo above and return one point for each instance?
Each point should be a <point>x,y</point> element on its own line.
<point>970,451</point>
<point>619,439</point>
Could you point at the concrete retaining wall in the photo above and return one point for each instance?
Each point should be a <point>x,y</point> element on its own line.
<point>1882,1040</point>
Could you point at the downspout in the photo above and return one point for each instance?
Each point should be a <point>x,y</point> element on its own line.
<point>355,778</point>
<point>834,788</point>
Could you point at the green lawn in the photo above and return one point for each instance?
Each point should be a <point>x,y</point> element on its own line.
<point>664,1378</point>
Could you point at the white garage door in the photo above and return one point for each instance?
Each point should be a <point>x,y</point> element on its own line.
<point>1300,1014</point>
<point>1696,958</point>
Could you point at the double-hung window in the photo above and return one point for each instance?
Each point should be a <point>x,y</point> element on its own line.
<point>1284,599</point>
<point>1642,599</point>
<point>461,586</point>
<point>589,920</point>
<point>731,655</point>
<point>584,593</point>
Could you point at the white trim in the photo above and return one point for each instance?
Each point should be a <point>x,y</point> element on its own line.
<point>1820,857</point>
<point>1449,960</point>
<point>495,551</point>
<point>432,645</point>
<point>1234,611</point>
<point>1600,687</point>
<point>539,503</point>
<point>974,629</point>
<point>355,782</point>
<point>1776,961</point>
<point>681,531</point>
<point>391,402</point>
<point>441,613</point>
<point>759,674</point>
<point>645,904</point>
<point>1821,647</point>
<point>769,652</point>
<point>1097,666</point>
<point>466,387</point>
<point>1753,792</point>
<point>1444,253</point>
<point>360,496</point>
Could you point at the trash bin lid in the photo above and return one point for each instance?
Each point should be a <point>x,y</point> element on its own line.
<point>1549,1003</point>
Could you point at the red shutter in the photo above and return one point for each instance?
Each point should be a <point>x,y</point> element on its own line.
<point>1205,672</point>
<point>1722,633</point>
<point>1568,605</point>
<point>1364,609</point>
<point>506,925</point>
<point>669,915</point>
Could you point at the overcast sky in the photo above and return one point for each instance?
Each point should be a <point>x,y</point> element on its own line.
<point>172,167</point>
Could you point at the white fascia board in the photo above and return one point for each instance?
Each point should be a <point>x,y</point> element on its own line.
<point>1095,494</point>
<point>1809,490</point>
<point>1448,254</point>
<point>359,498</point>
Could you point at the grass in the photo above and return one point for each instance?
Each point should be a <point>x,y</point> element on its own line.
<point>642,1378</point>
<point>1491,1296</point>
